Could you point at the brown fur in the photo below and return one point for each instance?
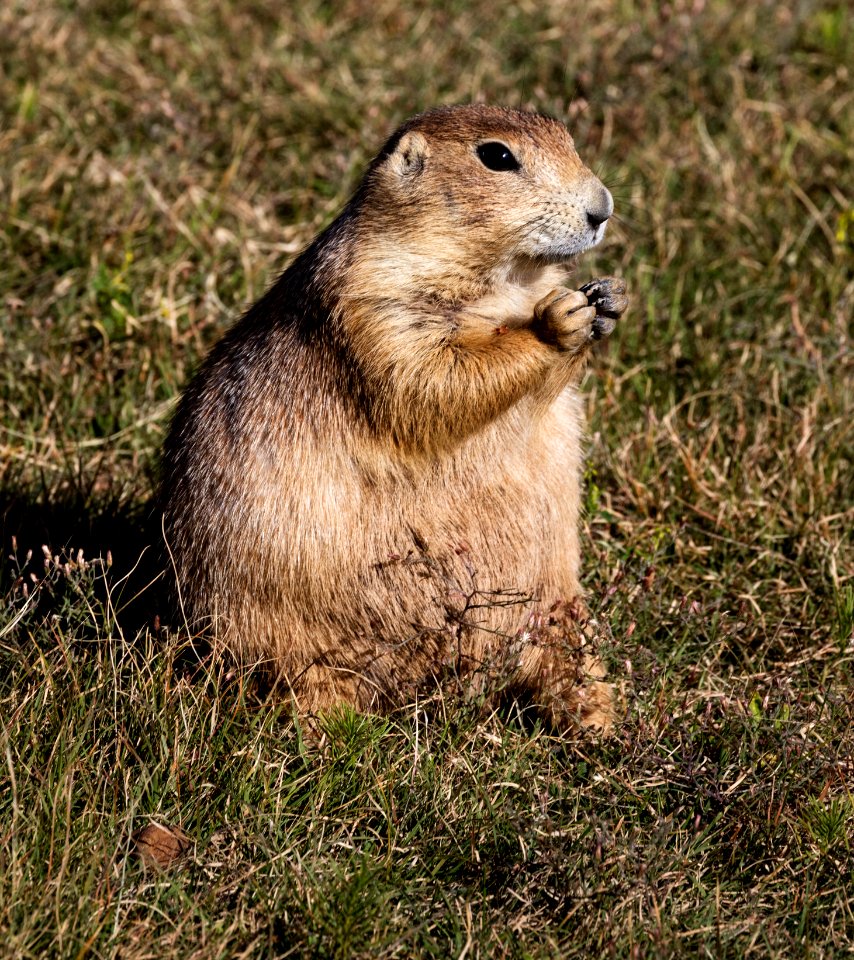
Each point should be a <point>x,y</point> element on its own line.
<point>391,436</point>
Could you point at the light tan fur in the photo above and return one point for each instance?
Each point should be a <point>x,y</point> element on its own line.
<point>389,443</point>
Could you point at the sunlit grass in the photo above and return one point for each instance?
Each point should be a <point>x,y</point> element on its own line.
<point>159,164</point>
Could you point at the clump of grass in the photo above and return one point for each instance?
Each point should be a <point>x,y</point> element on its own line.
<point>160,165</point>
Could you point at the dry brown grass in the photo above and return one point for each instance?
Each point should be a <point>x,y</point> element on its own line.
<point>159,163</point>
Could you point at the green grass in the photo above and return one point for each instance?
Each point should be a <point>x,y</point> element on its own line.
<point>159,164</point>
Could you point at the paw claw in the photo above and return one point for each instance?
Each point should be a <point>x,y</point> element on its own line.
<point>602,327</point>
<point>611,305</point>
<point>602,287</point>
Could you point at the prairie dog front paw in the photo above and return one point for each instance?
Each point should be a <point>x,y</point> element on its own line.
<point>608,296</point>
<point>570,319</point>
<point>564,319</point>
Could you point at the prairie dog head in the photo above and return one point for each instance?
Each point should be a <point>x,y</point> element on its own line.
<point>486,189</point>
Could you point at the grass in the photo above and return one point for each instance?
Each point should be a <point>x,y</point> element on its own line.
<point>159,163</point>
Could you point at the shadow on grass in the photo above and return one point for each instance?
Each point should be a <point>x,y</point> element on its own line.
<point>42,529</point>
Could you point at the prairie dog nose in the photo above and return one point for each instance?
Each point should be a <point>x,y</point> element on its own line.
<point>601,208</point>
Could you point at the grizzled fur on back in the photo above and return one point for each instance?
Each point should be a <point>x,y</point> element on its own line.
<point>394,429</point>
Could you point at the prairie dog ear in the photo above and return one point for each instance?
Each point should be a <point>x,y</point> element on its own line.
<point>409,156</point>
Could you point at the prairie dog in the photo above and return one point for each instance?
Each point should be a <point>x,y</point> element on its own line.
<point>390,439</point>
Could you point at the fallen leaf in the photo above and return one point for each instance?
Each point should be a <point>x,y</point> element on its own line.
<point>159,845</point>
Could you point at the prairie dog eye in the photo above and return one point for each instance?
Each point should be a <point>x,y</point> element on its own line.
<point>497,156</point>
